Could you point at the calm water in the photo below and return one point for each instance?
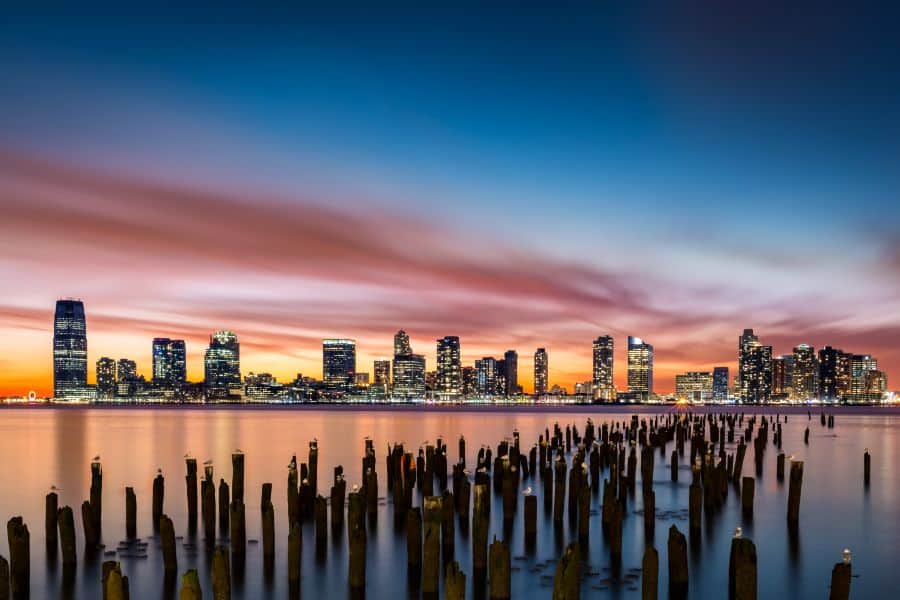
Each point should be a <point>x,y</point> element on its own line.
<point>43,447</point>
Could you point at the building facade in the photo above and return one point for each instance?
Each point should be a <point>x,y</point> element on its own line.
<point>694,386</point>
<point>804,374</point>
<point>756,373</point>
<point>449,367</point>
<point>70,351</point>
<point>408,376</point>
<point>604,388</point>
<point>486,376</point>
<point>106,378</point>
<point>541,372</point>
<point>169,362</point>
<point>720,384</point>
<point>339,364</point>
<point>782,376</point>
<point>511,372</point>
<point>640,367</point>
<point>222,366</point>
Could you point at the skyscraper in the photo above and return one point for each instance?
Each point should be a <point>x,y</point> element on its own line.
<point>106,378</point>
<point>640,367</point>
<point>541,369</point>
<point>401,343</point>
<point>720,384</point>
<point>70,351</point>
<point>126,378</point>
<point>756,375</point>
<point>828,374</point>
<point>744,339</point>
<point>694,386</point>
<point>222,365</point>
<point>169,362</point>
<point>470,381</point>
<point>604,388</point>
<point>449,367</point>
<point>782,376</point>
<point>409,376</point>
<point>382,370</point>
<point>860,365</point>
<point>805,374</point>
<point>486,376</point>
<point>511,372</point>
<point>338,364</point>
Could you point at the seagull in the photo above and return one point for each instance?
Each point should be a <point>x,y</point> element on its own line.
<point>53,488</point>
<point>187,455</point>
<point>238,451</point>
<point>527,490</point>
<point>207,462</point>
<point>159,471</point>
<point>96,458</point>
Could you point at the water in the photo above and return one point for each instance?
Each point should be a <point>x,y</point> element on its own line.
<point>43,447</point>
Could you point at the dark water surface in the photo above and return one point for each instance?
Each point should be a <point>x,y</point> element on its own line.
<point>41,447</point>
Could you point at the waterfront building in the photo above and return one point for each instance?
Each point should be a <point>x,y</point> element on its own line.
<point>128,384</point>
<point>169,362</point>
<point>603,387</point>
<point>640,367</point>
<point>70,351</point>
<point>401,343</point>
<point>382,369</point>
<point>106,378</point>
<point>694,386</point>
<point>860,366</point>
<point>756,373</point>
<point>833,373</point>
<point>222,366</point>
<point>486,376</point>
<point>782,376</point>
<point>449,367</point>
<point>541,371</point>
<point>805,374</point>
<point>262,387</point>
<point>338,364</point>
<point>470,381</point>
<point>409,376</point>
<point>511,372</point>
<point>720,384</point>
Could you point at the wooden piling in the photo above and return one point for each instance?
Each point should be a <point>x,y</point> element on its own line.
<point>19,557</point>
<point>742,570</point>
<point>678,565</point>
<point>499,571</point>
<point>320,518</point>
<point>480,526</point>
<point>649,515</point>
<point>66,521</point>
<point>190,481</point>
<point>748,486</point>
<point>448,530</point>
<point>867,467</point>
<point>51,508</point>
<point>91,535</point>
<point>159,491</point>
<point>190,586</point>
<point>97,496</point>
<point>650,574</point>
<point>294,549</point>
<point>615,530</point>
<point>431,561</point>
<point>673,468</point>
<point>779,467</point>
<point>237,476</point>
<point>414,540</point>
<point>268,530</point>
<point>566,582</point>
<point>840,581</point>
<point>695,503</point>
<point>221,574</point>
<point>357,561</point>
<point>4,579</point>
<point>530,517</point>
<point>238,519</point>
<point>454,582</point>
<point>167,541</point>
<point>794,490</point>
<point>113,582</point>
<point>224,506</point>
<point>208,489</point>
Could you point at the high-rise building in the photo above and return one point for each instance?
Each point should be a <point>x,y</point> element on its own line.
<point>409,376</point>
<point>640,367</point>
<point>470,381</point>
<point>511,372</point>
<point>747,337</point>
<point>127,379</point>
<point>832,363</point>
<point>169,362</point>
<point>222,365</point>
<point>401,343</point>
<point>70,351</point>
<point>382,370</point>
<point>782,376</point>
<point>875,385</point>
<point>106,378</point>
<point>541,370</point>
<point>694,386</point>
<point>486,376</point>
<point>805,374</point>
<point>720,384</point>
<point>860,366</point>
<point>500,379</point>
<point>756,373</point>
<point>338,364</point>
<point>449,367</point>
<point>844,374</point>
<point>603,387</point>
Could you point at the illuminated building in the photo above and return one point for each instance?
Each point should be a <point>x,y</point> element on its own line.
<point>805,374</point>
<point>106,378</point>
<point>470,381</point>
<point>541,370</point>
<point>169,362</point>
<point>640,367</point>
<point>338,364</point>
<point>833,365</point>
<point>782,375</point>
<point>449,367</point>
<point>860,366</point>
<point>875,385</point>
<point>756,373</point>
<point>222,366</point>
<point>511,372</point>
<point>720,384</point>
<point>486,376</point>
<point>127,380</point>
<point>603,387</point>
<point>401,343</point>
<point>362,379</point>
<point>694,386</point>
<point>70,351</point>
<point>262,386</point>
<point>382,370</point>
<point>409,376</point>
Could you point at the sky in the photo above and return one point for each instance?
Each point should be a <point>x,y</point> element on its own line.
<point>519,176</point>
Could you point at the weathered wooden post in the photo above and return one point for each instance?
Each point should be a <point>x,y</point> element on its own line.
<point>91,535</point>
<point>167,541</point>
<point>268,530</point>
<point>113,582</point>
<point>615,531</point>
<point>208,489</point>
<point>650,574</point>
<point>748,486</point>
<point>431,562</point>
<point>794,489</point>
<point>499,572</point>
<point>674,466</point>
<point>19,557</point>
<point>867,467</point>
<point>448,531</point>
<point>320,518</point>
<point>224,506</point>
<point>480,526</point>
<point>454,582</point>
<point>190,586</point>
<point>159,491</point>
<point>742,569</point>
<point>649,515</point>
<point>51,508</point>
<point>695,503</point>
<point>190,481</point>
<point>314,467</point>
<point>66,521</point>
<point>559,491</point>
<point>238,528</point>
<point>97,495</point>
<point>4,579</point>
<point>567,581</point>
<point>678,565</point>
<point>530,517</point>
<point>779,467</point>
<point>414,542</point>
<point>294,550</point>
<point>840,579</point>
<point>237,476</point>
<point>130,513</point>
<point>221,574</point>
<point>357,562</point>
<point>806,436</point>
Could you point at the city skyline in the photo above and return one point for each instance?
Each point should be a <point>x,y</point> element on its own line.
<point>513,180</point>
